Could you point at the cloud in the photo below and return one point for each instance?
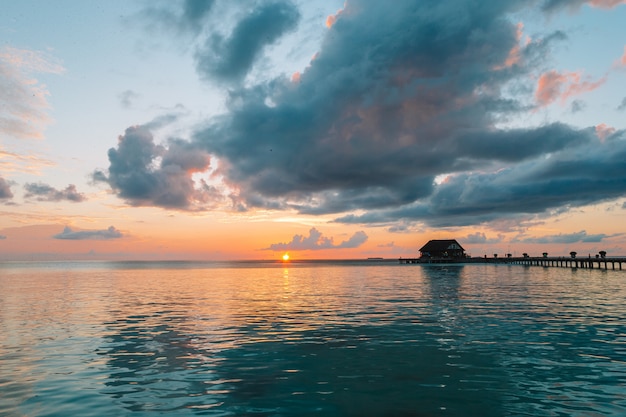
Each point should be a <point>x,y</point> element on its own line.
<point>605,4</point>
<point>127,98</point>
<point>581,236</point>
<point>106,234</point>
<point>587,172</point>
<point>222,55</point>
<point>315,241</point>
<point>190,18</point>
<point>622,105</point>
<point>574,5</point>
<point>395,98</point>
<point>553,85</point>
<point>44,192</point>
<point>23,98</point>
<point>231,58</point>
<point>2,237</point>
<point>30,163</point>
<point>196,10</point>
<point>481,238</point>
<point>604,131</point>
<point>373,118</point>
<point>144,173</point>
<point>577,106</point>
<point>5,189</point>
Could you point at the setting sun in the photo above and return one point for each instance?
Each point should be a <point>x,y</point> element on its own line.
<point>286,257</point>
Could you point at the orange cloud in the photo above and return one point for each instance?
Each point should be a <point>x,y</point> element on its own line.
<point>553,85</point>
<point>30,163</point>
<point>623,59</point>
<point>514,54</point>
<point>330,20</point>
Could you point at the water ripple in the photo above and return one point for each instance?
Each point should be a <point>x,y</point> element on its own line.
<point>329,340</point>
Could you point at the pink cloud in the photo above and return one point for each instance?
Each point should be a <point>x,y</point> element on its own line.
<point>606,4</point>
<point>623,59</point>
<point>603,131</point>
<point>554,85</point>
<point>24,97</point>
<point>574,5</point>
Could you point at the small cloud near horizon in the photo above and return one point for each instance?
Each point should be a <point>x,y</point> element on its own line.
<point>315,241</point>
<point>69,234</point>
<point>581,237</point>
<point>479,237</point>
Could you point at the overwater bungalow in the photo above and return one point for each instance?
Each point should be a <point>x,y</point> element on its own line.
<point>442,249</point>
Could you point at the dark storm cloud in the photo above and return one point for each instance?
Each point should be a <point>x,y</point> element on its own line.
<point>315,241</point>
<point>377,114</point>
<point>5,189</point>
<point>231,58</point>
<point>518,144</point>
<point>45,192</point>
<point>144,173</point>
<point>399,95</point>
<point>69,234</point>
<point>593,171</point>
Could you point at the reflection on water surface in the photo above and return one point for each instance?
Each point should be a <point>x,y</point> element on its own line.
<point>324,339</point>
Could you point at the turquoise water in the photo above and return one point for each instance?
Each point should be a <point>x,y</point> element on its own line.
<point>310,339</point>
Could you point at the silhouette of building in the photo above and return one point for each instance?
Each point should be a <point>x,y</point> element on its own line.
<point>448,248</point>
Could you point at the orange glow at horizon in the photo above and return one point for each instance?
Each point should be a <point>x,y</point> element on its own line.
<point>285,257</point>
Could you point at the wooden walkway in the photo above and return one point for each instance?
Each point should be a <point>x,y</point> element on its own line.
<point>563,262</point>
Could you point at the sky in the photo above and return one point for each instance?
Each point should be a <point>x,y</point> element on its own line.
<point>218,129</point>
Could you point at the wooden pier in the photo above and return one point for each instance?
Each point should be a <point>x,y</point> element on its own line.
<point>564,262</point>
<point>612,263</point>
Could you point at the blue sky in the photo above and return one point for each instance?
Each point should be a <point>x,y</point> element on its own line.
<point>265,124</point>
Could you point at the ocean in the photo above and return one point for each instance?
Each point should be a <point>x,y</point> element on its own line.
<point>332,338</point>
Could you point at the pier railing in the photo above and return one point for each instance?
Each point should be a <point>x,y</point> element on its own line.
<point>565,262</point>
<point>613,263</point>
